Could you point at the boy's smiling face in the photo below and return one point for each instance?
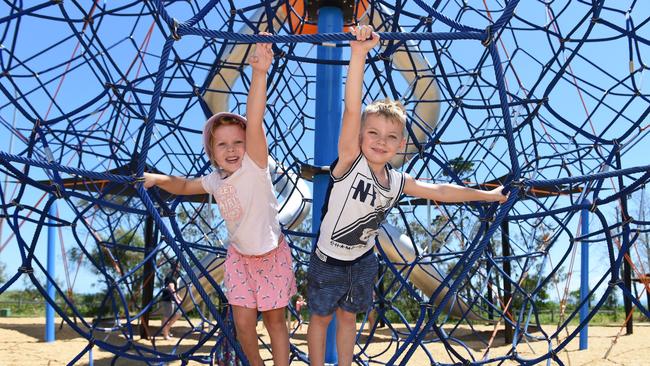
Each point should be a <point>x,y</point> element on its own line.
<point>381,138</point>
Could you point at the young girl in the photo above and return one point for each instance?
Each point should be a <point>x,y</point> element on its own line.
<point>258,266</point>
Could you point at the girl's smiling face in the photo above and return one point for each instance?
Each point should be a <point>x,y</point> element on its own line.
<point>228,147</point>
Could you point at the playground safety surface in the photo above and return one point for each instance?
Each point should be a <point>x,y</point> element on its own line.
<point>21,343</point>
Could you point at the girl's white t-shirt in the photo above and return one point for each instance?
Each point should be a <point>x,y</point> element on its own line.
<point>248,205</point>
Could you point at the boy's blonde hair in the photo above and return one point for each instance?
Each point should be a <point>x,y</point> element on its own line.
<point>214,122</point>
<point>390,109</point>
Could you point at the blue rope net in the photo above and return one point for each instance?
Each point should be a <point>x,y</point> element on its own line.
<point>543,97</point>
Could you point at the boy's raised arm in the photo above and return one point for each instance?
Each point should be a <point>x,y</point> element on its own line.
<point>451,192</point>
<point>348,148</point>
<point>256,145</point>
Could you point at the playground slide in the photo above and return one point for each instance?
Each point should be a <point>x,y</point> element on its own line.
<point>399,249</point>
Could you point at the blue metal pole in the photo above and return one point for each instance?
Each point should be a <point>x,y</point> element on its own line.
<point>51,256</point>
<point>329,81</point>
<point>584,276</point>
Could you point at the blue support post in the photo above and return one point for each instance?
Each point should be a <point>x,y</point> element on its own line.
<point>51,267</point>
<point>329,81</point>
<point>584,275</point>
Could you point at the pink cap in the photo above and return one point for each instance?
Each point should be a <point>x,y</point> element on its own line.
<point>208,125</point>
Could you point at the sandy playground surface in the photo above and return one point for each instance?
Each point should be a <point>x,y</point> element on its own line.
<point>21,343</point>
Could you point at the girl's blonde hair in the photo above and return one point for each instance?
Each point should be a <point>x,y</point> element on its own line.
<point>390,109</point>
<point>214,122</point>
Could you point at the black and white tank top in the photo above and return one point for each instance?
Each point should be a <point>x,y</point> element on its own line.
<point>355,205</point>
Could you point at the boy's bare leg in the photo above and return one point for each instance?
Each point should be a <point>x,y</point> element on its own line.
<point>316,337</point>
<point>245,323</point>
<point>275,324</point>
<point>346,331</point>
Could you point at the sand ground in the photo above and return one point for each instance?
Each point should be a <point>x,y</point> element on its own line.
<point>21,343</point>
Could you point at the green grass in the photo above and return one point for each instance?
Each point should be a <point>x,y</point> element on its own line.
<point>22,303</point>
<point>29,303</point>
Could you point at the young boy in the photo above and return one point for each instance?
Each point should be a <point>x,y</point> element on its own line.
<point>362,190</point>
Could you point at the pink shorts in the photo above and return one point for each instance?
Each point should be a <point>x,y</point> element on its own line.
<point>264,282</point>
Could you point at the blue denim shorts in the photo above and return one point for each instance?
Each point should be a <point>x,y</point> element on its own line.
<point>348,287</point>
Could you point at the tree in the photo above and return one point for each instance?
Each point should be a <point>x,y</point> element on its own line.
<point>529,284</point>
<point>115,255</point>
<point>201,225</point>
<point>574,298</point>
<point>3,276</point>
<point>460,166</point>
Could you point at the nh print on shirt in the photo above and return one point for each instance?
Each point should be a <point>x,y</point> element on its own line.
<point>358,232</point>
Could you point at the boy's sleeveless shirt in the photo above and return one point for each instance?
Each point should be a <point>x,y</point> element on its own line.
<point>355,206</point>
<point>248,205</point>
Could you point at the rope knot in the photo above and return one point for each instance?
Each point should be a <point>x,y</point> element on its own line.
<point>627,220</point>
<point>488,36</point>
<point>113,88</point>
<point>58,192</point>
<point>174,30</point>
<point>615,283</point>
<point>518,183</point>
<point>18,205</point>
<point>420,151</point>
<point>25,269</point>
